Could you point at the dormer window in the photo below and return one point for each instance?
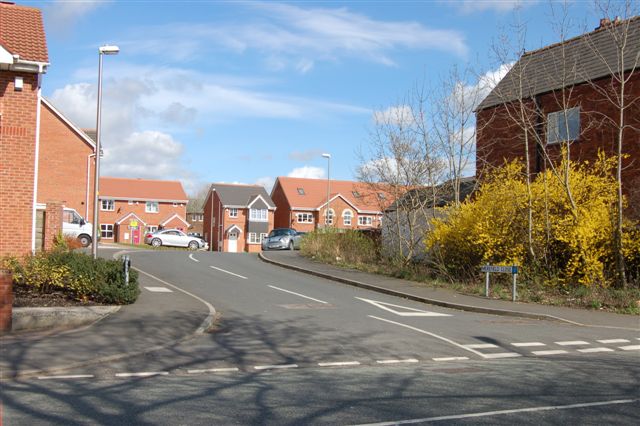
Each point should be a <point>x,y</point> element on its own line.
<point>301,191</point>
<point>381,196</point>
<point>356,194</point>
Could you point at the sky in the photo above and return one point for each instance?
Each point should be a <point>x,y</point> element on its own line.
<point>234,91</point>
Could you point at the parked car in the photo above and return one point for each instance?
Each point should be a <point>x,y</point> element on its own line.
<point>194,234</point>
<point>174,238</point>
<point>283,239</point>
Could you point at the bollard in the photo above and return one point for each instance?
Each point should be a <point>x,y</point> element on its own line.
<point>6,300</point>
<point>126,263</point>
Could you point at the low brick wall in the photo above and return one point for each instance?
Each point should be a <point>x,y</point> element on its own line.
<point>6,300</point>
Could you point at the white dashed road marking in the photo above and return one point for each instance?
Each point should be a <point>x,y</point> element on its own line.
<point>606,341</point>
<point>553,352</point>
<point>228,272</point>
<point>451,358</point>
<point>213,370</point>
<point>143,374</point>
<point>590,350</point>
<point>297,294</point>
<point>481,346</point>
<point>503,355</point>
<point>630,348</point>
<point>159,289</point>
<point>73,376</point>
<point>193,258</point>
<point>396,361</point>
<point>338,364</point>
<point>275,367</point>
<point>572,343</point>
<point>528,344</point>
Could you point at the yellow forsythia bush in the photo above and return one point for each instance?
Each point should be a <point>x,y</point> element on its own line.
<point>572,226</point>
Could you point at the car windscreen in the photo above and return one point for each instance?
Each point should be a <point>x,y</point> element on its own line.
<point>278,232</point>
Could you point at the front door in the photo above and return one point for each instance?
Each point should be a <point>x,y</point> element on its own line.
<point>233,242</point>
<point>135,234</point>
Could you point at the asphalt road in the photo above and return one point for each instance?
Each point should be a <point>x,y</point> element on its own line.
<point>290,348</point>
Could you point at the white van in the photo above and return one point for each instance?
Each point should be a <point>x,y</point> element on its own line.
<point>73,225</point>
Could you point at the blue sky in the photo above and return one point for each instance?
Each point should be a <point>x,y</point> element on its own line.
<point>212,91</point>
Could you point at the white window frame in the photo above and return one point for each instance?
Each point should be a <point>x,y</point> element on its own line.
<point>365,220</point>
<point>105,230</point>
<point>258,215</point>
<point>304,217</point>
<point>150,228</point>
<point>263,235</point>
<point>148,204</point>
<point>347,214</point>
<point>252,238</point>
<point>557,127</point>
<point>233,212</point>
<point>329,217</point>
<point>110,205</point>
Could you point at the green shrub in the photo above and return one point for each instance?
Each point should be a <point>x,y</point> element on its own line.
<point>334,246</point>
<point>75,274</point>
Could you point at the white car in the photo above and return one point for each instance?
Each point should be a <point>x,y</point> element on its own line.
<point>174,238</point>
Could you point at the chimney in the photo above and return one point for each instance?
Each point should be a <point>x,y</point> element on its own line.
<point>604,22</point>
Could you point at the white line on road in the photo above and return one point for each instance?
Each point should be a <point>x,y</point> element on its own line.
<point>630,348</point>
<point>71,376</point>
<point>338,364</point>
<point>159,290</point>
<point>213,370</point>
<point>397,361</point>
<point>444,339</point>
<point>606,341</point>
<point>589,350</point>
<point>227,272</point>
<point>554,352</point>
<point>297,294</point>
<point>143,374</point>
<point>481,346</point>
<point>405,311</point>
<point>499,412</point>
<point>503,355</point>
<point>275,367</point>
<point>451,358</point>
<point>193,258</point>
<point>527,344</point>
<point>572,343</point>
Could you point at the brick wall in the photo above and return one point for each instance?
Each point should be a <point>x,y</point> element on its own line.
<point>52,223</point>
<point>195,225</point>
<point>122,208</point>
<point>282,217</point>
<point>62,172</point>
<point>17,156</point>
<point>499,138</point>
<point>6,300</point>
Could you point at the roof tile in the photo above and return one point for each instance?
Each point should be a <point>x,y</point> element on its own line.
<point>22,32</point>
<point>142,189</point>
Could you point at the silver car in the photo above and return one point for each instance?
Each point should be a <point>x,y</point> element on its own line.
<point>174,238</point>
<point>282,239</point>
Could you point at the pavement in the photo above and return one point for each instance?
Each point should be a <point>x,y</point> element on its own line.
<point>421,292</point>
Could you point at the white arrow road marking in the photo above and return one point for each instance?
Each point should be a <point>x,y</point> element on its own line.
<point>193,258</point>
<point>413,312</point>
<point>297,294</point>
<point>227,272</point>
<point>431,334</point>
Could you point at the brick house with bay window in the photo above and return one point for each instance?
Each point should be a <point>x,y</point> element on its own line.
<point>131,207</point>
<point>574,110</point>
<point>237,217</point>
<point>302,204</point>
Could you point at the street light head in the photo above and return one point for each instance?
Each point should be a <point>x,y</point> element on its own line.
<point>326,155</point>
<point>108,50</point>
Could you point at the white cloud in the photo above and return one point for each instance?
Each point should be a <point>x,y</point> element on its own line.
<point>470,6</point>
<point>310,172</point>
<point>292,37</point>
<point>488,81</point>
<point>267,182</point>
<point>400,115</point>
<point>61,15</point>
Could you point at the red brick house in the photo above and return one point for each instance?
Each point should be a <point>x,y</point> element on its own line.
<point>565,91</point>
<point>237,217</point>
<point>302,203</point>
<point>131,207</point>
<point>23,61</point>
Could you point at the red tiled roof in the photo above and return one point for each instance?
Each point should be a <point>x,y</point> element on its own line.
<point>315,193</point>
<point>22,32</point>
<point>142,189</point>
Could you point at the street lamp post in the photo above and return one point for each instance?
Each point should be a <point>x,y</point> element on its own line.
<point>326,216</point>
<point>102,50</point>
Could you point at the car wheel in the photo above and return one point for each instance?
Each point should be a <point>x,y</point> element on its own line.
<point>156,242</point>
<point>290,245</point>
<point>84,240</point>
<point>193,245</point>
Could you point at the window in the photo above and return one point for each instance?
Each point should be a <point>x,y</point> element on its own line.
<point>151,207</point>
<point>197,217</point>
<point>381,195</point>
<point>262,236</point>
<point>304,217</point>
<point>106,231</point>
<point>346,217</point>
<point>69,216</point>
<point>108,205</point>
<point>233,212</point>
<point>365,220</point>
<point>253,238</point>
<point>301,191</point>
<point>356,194</point>
<point>329,218</point>
<point>563,125</point>
<point>258,215</point>
<point>151,228</point>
